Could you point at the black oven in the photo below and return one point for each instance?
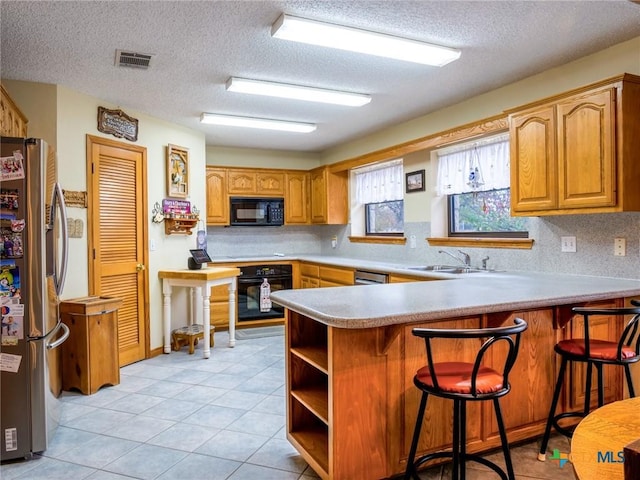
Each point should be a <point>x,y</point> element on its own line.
<point>251,278</point>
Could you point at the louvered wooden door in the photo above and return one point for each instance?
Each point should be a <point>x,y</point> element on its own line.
<point>117,241</point>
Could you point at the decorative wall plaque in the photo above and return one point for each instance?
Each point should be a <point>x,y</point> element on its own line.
<point>117,123</point>
<point>177,171</point>
<point>75,199</point>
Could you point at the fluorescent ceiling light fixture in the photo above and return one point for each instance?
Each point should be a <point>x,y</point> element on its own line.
<point>296,92</point>
<point>252,122</point>
<point>362,41</point>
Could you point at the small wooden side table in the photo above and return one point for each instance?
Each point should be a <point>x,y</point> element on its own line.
<point>202,281</point>
<point>597,446</point>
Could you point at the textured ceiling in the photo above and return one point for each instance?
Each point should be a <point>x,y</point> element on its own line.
<point>198,45</point>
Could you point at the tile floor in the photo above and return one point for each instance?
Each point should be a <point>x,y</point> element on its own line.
<point>181,417</point>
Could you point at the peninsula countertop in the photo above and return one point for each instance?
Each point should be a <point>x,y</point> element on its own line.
<point>369,306</point>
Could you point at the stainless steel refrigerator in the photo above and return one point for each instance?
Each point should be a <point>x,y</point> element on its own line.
<point>33,259</point>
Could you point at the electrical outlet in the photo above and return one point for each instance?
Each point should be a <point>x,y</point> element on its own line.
<point>620,247</point>
<point>568,244</point>
<point>412,241</point>
<point>334,241</point>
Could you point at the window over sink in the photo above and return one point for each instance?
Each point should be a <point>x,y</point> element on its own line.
<point>475,179</point>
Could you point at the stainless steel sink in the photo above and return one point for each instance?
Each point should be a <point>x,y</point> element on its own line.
<point>447,269</point>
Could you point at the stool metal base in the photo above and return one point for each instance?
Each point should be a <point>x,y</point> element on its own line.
<point>468,457</point>
<point>459,454</point>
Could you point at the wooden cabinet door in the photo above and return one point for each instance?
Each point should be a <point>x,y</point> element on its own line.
<point>335,277</point>
<point>217,200</point>
<point>533,161</point>
<point>296,205</point>
<point>309,282</point>
<point>219,307</point>
<point>309,275</point>
<point>319,196</point>
<point>14,123</point>
<point>241,182</point>
<point>586,153</point>
<point>532,378</point>
<point>270,183</point>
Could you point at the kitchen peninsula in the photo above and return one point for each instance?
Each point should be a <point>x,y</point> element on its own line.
<point>351,357</point>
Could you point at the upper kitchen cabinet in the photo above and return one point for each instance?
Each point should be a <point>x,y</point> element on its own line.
<point>329,196</point>
<point>296,206</point>
<point>14,123</point>
<point>578,152</point>
<point>255,182</point>
<point>217,199</point>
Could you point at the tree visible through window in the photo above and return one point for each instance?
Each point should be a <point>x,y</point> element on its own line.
<point>485,212</point>
<point>384,218</point>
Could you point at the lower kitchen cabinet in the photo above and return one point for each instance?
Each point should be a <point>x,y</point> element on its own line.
<point>351,390</point>
<point>335,276</point>
<point>394,278</point>
<point>219,307</point>
<point>309,275</point>
<point>316,275</point>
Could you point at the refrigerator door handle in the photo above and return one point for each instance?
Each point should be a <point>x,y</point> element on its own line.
<point>58,200</point>
<point>59,341</point>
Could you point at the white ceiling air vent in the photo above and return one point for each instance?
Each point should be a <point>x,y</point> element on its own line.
<point>130,59</point>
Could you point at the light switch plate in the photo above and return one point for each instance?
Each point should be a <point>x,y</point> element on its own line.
<point>568,244</point>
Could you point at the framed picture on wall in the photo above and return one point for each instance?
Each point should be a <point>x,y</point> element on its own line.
<point>414,181</point>
<point>177,171</point>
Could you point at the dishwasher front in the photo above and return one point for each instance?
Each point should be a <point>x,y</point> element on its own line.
<point>362,277</point>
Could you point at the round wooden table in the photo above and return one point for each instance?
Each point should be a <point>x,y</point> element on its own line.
<point>598,440</point>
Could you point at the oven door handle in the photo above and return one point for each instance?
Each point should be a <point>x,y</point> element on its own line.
<point>258,280</point>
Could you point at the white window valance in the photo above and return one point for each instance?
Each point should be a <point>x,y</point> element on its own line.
<point>479,166</point>
<point>379,183</point>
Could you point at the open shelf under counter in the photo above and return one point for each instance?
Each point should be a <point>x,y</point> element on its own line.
<point>315,399</point>
<point>311,437</point>
<point>315,355</point>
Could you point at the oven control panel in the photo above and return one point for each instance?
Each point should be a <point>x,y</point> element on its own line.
<point>265,271</point>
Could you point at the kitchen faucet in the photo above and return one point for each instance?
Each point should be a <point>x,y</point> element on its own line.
<point>466,259</point>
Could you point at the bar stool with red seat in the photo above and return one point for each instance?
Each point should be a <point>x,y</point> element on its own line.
<point>596,353</point>
<point>463,382</point>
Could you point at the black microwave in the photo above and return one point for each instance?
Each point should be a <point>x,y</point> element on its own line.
<point>256,211</point>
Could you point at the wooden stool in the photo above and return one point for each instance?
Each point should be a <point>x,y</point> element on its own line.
<point>189,336</point>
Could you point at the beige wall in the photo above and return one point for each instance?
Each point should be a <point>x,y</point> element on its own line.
<point>621,58</point>
<point>75,116</point>
<point>248,157</point>
<point>38,102</point>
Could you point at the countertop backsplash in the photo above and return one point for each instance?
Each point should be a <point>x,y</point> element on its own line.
<point>594,238</point>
